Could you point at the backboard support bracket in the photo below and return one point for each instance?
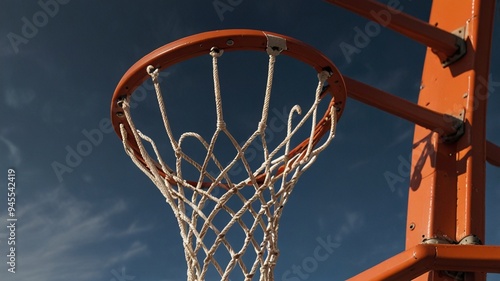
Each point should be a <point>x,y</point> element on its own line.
<point>461,34</point>
<point>459,125</point>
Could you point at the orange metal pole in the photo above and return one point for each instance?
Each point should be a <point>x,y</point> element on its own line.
<point>447,185</point>
<point>446,201</point>
<point>425,257</point>
<point>444,43</point>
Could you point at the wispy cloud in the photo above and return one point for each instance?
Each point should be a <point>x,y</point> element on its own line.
<point>137,248</point>
<point>13,152</point>
<point>358,164</point>
<point>377,251</point>
<point>404,136</point>
<point>351,222</point>
<point>61,237</point>
<point>387,81</point>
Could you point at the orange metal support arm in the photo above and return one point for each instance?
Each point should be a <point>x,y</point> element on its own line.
<point>425,257</point>
<point>493,154</point>
<point>412,112</point>
<point>421,116</point>
<point>443,43</point>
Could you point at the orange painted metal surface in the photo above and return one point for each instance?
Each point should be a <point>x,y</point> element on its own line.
<point>390,16</point>
<point>447,186</point>
<point>400,107</point>
<point>449,259</point>
<point>435,121</point>
<point>493,153</point>
<point>446,200</point>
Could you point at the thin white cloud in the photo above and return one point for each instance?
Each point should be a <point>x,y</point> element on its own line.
<point>358,164</point>
<point>60,237</point>
<point>381,250</point>
<point>13,152</point>
<point>352,221</point>
<point>134,228</point>
<point>404,136</point>
<point>387,81</point>
<point>137,248</point>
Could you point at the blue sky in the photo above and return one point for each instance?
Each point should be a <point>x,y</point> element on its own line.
<point>103,220</point>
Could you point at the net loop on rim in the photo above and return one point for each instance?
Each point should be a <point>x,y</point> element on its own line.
<point>247,210</point>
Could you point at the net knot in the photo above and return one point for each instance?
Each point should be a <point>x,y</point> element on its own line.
<point>178,151</point>
<point>262,127</point>
<point>261,205</point>
<point>221,125</point>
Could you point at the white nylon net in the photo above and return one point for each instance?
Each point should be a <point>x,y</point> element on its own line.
<point>237,238</point>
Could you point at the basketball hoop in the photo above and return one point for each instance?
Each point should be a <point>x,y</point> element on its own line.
<point>189,197</point>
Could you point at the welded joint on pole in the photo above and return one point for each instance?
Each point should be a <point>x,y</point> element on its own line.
<point>445,240</point>
<point>458,123</point>
<point>461,34</point>
<point>467,240</point>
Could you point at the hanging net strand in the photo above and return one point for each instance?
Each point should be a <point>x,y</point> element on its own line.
<point>207,217</point>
